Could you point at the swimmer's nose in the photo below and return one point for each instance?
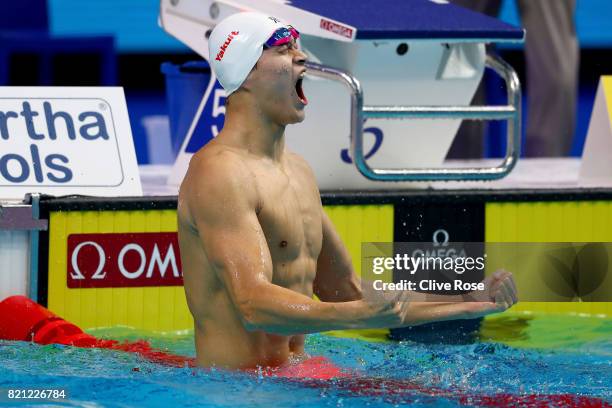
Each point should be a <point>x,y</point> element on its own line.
<point>300,57</point>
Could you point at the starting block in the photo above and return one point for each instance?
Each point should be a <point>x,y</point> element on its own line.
<point>370,64</point>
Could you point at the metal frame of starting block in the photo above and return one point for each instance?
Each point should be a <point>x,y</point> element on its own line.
<point>510,113</point>
<point>435,80</point>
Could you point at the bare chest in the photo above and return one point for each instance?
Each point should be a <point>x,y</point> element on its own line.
<point>290,216</point>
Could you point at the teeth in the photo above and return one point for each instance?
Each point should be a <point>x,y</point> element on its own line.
<point>302,75</point>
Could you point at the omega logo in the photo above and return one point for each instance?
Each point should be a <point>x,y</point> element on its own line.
<point>436,237</point>
<point>126,260</point>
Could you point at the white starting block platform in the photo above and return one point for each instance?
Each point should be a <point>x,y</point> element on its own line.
<point>370,61</point>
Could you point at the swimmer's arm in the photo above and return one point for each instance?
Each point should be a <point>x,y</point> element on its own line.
<point>499,295</point>
<point>242,261</point>
<point>429,312</point>
<point>336,280</point>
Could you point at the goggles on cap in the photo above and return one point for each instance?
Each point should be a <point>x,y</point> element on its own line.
<point>282,36</point>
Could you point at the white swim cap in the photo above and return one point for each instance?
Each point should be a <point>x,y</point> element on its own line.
<point>236,44</point>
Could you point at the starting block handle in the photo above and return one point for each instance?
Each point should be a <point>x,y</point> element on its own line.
<point>510,113</point>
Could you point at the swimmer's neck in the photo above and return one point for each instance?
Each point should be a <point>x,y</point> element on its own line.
<point>246,127</point>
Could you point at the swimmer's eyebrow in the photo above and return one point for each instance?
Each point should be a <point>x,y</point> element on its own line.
<point>291,44</point>
<point>284,46</point>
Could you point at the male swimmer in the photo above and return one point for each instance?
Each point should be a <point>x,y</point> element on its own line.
<point>255,242</point>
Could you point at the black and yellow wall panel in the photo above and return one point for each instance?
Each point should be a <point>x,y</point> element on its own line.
<point>361,223</point>
<point>491,216</point>
<point>150,308</point>
<point>552,222</point>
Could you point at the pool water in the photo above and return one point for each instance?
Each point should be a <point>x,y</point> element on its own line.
<point>519,354</point>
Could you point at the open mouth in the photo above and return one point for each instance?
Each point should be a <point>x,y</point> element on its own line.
<point>300,91</point>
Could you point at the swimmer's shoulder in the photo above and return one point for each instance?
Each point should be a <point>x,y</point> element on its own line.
<point>216,174</point>
<point>217,161</point>
<point>299,163</point>
<point>301,166</point>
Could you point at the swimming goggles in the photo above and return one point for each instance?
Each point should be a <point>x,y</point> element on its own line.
<point>282,36</point>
